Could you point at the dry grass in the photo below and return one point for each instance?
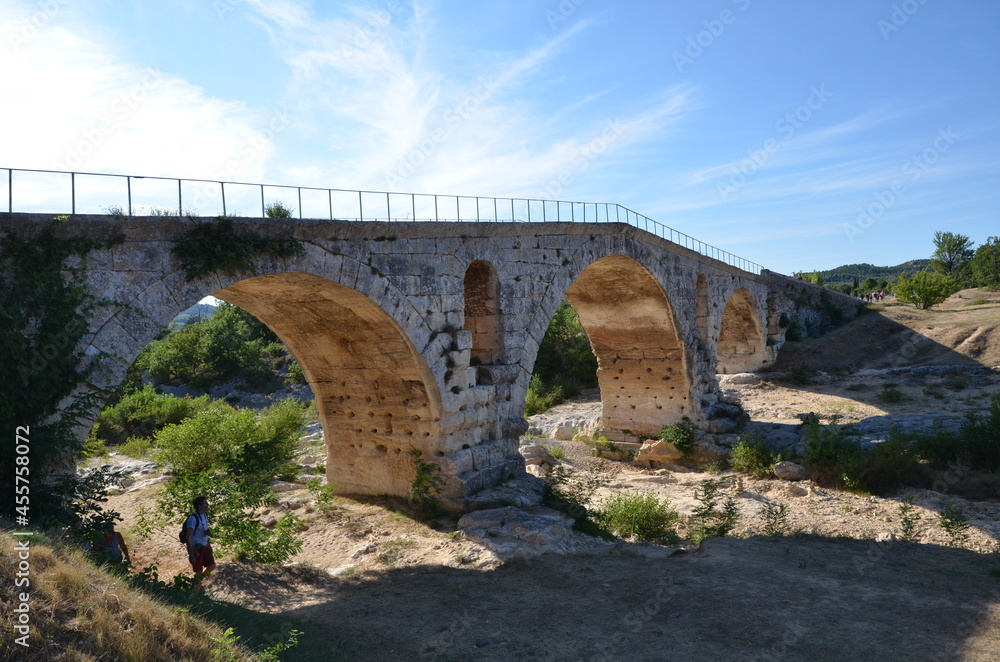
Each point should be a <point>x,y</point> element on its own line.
<point>81,613</point>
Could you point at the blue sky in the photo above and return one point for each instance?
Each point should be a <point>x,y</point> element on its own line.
<point>799,135</point>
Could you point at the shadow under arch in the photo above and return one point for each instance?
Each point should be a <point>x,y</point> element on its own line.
<point>742,345</point>
<point>642,366</point>
<point>376,396</point>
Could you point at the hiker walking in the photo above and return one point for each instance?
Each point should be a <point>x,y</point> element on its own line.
<point>198,547</point>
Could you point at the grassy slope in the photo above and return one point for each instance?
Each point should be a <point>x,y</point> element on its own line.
<point>79,612</point>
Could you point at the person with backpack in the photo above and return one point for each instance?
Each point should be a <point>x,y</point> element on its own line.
<point>196,538</point>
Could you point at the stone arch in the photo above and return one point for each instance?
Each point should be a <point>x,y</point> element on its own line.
<point>634,334</point>
<point>482,313</point>
<point>376,396</point>
<point>741,345</point>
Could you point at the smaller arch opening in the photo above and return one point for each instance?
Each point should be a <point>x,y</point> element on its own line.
<point>482,313</point>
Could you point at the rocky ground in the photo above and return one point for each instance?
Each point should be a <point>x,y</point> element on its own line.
<point>372,583</point>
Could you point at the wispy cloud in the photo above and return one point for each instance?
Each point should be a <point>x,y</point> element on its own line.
<point>392,119</point>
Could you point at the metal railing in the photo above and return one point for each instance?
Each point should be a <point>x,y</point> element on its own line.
<point>361,205</point>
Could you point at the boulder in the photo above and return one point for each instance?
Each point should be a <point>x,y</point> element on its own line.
<point>536,454</point>
<point>656,452</point>
<point>790,471</point>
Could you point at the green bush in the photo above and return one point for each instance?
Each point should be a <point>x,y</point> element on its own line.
<point>238,441</point>
<point>539,398</point>
<point>295,374</point>
<point>681,435</point>
<point>752,456</point>
<point>564,355</point>
<point>277,209</point>
<point>976,444</point>
<point>955,524</point>
<point>889,394</point>
<point>142,413</point>
<point>925,288</point>
<point>775,516</point>
<point>229,344</point>
<point>710,518</point>
<point>642,515</point>
<point>137,447</point>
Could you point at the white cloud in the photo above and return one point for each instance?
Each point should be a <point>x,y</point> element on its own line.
<point>72,103</point>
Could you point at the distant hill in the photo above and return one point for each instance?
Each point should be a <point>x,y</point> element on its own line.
<point>195,313</point>
<point>848,272</point>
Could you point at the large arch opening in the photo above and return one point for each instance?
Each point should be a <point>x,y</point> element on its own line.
<point>482,313</point>
<point>741,346</point>
<point>376,397</point>
<point>641,363</point>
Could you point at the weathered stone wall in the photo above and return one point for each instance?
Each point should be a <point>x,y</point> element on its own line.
<point>385,319</point>
<point>810,309</point>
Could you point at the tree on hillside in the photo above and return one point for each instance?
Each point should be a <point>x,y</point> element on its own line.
<point>951,253</point>
<point>984,267</point>
<point>925,288</point>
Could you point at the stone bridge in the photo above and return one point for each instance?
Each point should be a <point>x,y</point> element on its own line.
<point>424,335</point>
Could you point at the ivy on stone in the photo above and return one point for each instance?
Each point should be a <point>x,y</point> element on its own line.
<point>44,312</point>
<point>218,246</point>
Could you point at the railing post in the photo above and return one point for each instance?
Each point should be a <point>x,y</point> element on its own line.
<point>496,214</point>
<point>10,191</point>
<point>388,209</point>
<point>572,212</point>
<point>263,208</point>
<point>437,216</point>
<point>223,185</point>
<point>477,209</point>
<point>512,210</point>
<point>528,202</point>
<point>413,205</point>
<point>180,200</point>
<point>458,209</point>
<point>361,209</point>
<point>129,180</point>
<point>72,191</point>
<point>329,197</point>
<point>300,203</point>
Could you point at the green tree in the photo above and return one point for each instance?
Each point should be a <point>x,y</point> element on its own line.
<point>925,288</point>
<point>564,355</point>
<point>870,285</point>
<point>951,253</point>
<point>984,267</point>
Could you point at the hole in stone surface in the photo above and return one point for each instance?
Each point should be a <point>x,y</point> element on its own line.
<point>465,447</point>
<point>381,449</point>
<point>397,451</point>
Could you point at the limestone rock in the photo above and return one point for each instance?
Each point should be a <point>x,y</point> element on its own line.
<point>282,486</point>
<point>536,454</point>
<point>790,471</point>
<point>510,532</point>
<point>656,452</point>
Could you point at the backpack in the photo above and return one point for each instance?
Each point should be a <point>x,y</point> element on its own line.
<point>184,528</point>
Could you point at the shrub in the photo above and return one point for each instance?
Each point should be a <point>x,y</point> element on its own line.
<point>709,519</point>
<point>295,374</point>
<point>681,435</point>
<point>426,485</point>
<point>539,398</point>
<point>934,391</point>
<point>240,442</point>
<point>889,393</point>
<point>137,447</point>
<point>142,413</point>
<point>775,516</point>
<point>277,209</point>
<point>642,515</point>
<point>909,521</point>
<point>752,456</point>
<point>955,524</point>
<point>571,492</point>
<point>925,288</point>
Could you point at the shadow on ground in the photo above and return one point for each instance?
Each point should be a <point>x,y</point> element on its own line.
<point>801,598</point>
